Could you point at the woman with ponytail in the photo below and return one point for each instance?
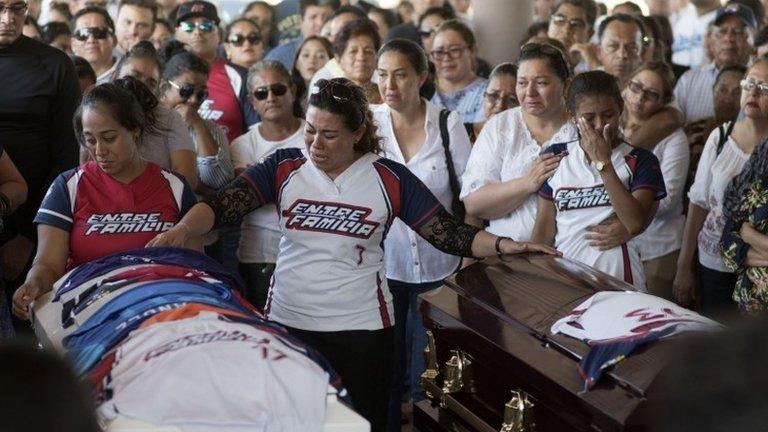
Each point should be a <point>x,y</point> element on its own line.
<point>115,202</point>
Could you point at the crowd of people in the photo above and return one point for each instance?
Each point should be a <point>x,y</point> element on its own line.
<point>343,158</point>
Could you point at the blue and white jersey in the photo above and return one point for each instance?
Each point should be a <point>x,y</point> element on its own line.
<point>581,201</point>
<point>330,273</point>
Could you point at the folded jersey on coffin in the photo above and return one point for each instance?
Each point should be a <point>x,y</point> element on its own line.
<point>614,323</point>
<point>167,359</point>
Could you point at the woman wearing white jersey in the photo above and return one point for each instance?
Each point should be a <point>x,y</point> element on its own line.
<point>412,128</point>
<point>506,167</point>
<point>336,200</point>
<point>723,159</point>
<point>273,95</point>
<point>601,176</point>
<point>650,89</point>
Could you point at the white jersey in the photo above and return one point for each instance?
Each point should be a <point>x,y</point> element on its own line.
<point>616,316</point>
<point>330,273</point>
<point>254,380</point>
<point>690,30</point>
<point>260,233</point>
<point>581,201</point>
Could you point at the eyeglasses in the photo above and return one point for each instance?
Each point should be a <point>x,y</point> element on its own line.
<point>187,90</point>
<point>560,20</point>
<point>238,40</point>
<point>722,32</point>
<point>748,84</point>
<point>507,99</point>
<point>15,9</point>
<point>83,33</point>
<point>203,26</point>
<point>262,93</point>
<point>650,94</point>
<point>453,53</point>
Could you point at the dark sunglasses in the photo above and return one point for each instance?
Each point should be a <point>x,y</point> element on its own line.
<point>204,26</point>
<point>339,91</point>
<point>238,39</point>
<point>262,93</point>
<point>82,34</point>
<point>187,90</point>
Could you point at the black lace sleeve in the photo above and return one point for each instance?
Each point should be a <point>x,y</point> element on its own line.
<point>449,234</point>
<point>232,202</point>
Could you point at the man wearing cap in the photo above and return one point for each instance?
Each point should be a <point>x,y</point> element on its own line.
<point>227,104</point>
<point>732,36</point>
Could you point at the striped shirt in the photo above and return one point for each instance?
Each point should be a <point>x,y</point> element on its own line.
<point>693,93</point>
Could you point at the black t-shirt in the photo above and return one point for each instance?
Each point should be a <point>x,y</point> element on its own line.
<point>39,93</point>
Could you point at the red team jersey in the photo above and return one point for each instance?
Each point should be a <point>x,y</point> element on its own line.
<point>103,215</point>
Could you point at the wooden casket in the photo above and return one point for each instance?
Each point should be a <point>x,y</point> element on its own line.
<point>493,365</point>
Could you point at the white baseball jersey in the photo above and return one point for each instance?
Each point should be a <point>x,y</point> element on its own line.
<point>617,315</point>
<point>209,374</point>
<point>581,201</point>
<point>330,273</point>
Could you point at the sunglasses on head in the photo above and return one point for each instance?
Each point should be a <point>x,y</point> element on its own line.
<point>340,92</point>
<point>238,39</point>
<point>262,93</point>
<point>82,34</point>
<point>203,26</point>
<point>187,90</point>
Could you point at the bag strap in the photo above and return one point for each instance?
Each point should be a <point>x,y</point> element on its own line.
<point>456,206</point>
<point>725,131</point>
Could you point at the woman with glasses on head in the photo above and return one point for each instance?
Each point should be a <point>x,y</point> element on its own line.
<point>458,87</point>
<point>313,53</point>
<point>507,167</point>
<point>599,177</point>
<point>273,95</point>
<point>650,88</point>
<point>500,94</point>
<point>242,42</point>
<point>413,130</point>
<point>74,221</point>
<point>725,153</point>
<point>172,148</point>
<point>336,200</point>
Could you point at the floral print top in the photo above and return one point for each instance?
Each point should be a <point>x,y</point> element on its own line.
<point>751,292</point>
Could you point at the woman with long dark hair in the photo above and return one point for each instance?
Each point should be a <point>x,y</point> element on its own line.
<point>337,198</point>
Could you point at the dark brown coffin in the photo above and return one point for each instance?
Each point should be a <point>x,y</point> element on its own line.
<point>499,313</point>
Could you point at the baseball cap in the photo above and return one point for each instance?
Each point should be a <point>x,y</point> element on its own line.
<point>738,10</point>
<point>197,8</point>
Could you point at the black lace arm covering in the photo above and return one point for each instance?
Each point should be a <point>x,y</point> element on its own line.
<point>449,234</point>
<point>232,202</point>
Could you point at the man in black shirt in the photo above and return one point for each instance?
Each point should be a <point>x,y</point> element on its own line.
<point>39,93</point>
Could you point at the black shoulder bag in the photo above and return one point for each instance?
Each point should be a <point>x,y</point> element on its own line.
<point>457,207</point>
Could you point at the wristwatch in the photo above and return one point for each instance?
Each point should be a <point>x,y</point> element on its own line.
<point>600,165</point>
